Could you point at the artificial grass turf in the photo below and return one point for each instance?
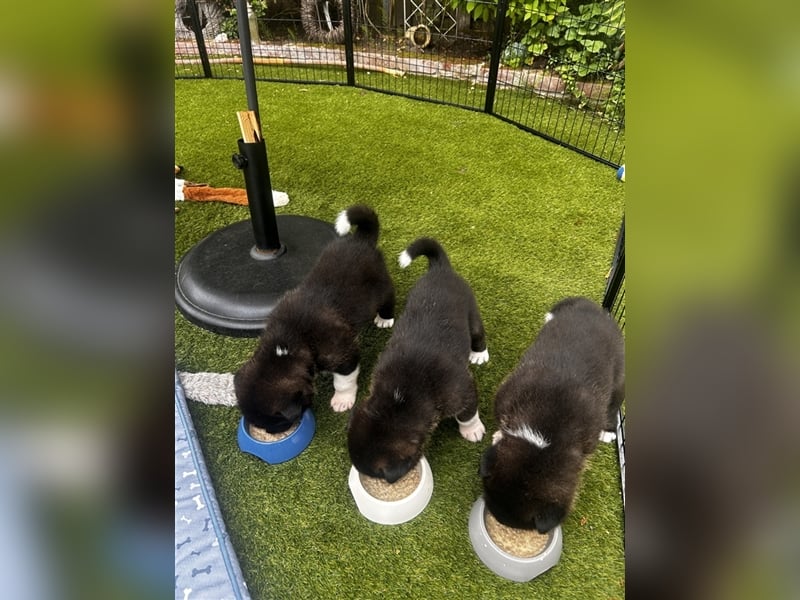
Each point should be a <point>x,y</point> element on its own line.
<point>524,221</point>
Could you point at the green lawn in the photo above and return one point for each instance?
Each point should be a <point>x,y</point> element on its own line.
<point>526,222</point>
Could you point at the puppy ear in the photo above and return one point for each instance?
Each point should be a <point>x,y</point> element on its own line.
<point>549,517</point>
<point>487,461</point>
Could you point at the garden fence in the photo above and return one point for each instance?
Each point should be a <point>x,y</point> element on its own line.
<point>614,303</point>
<point>557,74</point>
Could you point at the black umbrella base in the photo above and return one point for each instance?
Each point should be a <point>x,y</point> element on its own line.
<point>226,286</point>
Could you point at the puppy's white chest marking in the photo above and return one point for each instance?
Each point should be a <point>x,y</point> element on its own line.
<point>532,436</point>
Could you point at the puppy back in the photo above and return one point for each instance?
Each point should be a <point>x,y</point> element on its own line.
<point>425,246</point>
<point>364,219</point>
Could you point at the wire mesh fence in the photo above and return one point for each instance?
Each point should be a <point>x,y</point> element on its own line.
<point>557,71</point>
<point>614,302</point>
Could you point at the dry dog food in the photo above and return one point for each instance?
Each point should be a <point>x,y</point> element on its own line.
<point>262,435</point>
<point>383,490</point>
<point>519,542</point>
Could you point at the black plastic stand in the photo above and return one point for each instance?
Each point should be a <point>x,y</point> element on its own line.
<point>231,281</point>
<point>222,288</point>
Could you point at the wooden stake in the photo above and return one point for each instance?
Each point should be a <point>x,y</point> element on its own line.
<point>249,126</point>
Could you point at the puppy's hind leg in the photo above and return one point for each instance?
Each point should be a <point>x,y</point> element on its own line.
<point>478,358</point>
<point>479,353</point>
<point>469,421</point>
<point>608,434</point>
<point>385,317</point>
<point>345,389</point>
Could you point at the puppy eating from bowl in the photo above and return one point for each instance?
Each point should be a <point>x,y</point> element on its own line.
<point>315,327</point>
<point>423,375</point>
<point>551,410</point>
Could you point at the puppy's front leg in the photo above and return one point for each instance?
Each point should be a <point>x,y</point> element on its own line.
<point>345,387</point>
<point>472,429</point>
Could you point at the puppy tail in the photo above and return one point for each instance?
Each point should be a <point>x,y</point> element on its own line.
<point>426,246</point>
<point>364,218</point>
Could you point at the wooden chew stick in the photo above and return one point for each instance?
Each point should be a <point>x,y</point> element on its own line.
<point>249,126</point>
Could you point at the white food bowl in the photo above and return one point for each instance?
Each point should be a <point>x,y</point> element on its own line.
<point>396,511</point>
<point>504,564</point>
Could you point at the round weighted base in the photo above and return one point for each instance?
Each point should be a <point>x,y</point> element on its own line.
<point>221,286</point>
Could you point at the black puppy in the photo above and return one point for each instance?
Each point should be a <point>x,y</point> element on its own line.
<point>423,374</point>
<point>551,410</point>
<point>315,327</point>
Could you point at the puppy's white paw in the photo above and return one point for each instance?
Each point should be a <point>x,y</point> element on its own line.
<point>343,401</point>
<point>473,433</point>
<point>607,436</point>
<point>478,358</point>
<point>345,388</point>
<point>473,429</point>
<point>383,323</point>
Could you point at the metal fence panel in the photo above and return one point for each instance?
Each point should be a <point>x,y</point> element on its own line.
<point>423,49</point>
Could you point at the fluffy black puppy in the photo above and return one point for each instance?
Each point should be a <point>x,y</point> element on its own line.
<point>315,327</point>
<point>551,411</point>
<point>423,374</point>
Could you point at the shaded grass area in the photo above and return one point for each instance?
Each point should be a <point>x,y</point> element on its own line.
<point>524,221</point>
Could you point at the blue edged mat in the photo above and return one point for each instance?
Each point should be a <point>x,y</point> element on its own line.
<point>206,566</point>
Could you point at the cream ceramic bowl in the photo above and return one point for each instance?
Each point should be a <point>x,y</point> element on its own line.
<point>393,512</point>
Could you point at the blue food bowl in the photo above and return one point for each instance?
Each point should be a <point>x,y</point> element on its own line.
<point>280,450</point>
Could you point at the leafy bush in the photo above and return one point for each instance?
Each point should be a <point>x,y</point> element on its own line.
<point>582,40</point>
<point>230,24</point>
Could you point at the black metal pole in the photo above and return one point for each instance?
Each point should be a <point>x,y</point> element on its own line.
<point>252,160</point>
<point>248,71</point>
<point>494,61</point>
<point>197,29</point>
<point>348,43</point>
<point>253,156</point>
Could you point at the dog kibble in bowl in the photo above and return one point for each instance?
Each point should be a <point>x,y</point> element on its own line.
<point>262,435</point>
<point>519,542</point>
<point>389,492</point>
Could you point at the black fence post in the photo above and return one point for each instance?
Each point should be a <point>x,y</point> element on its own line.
<point>197,29</point>
<point>617,272</point>
<point>348,42</point>
<point>494,61</point>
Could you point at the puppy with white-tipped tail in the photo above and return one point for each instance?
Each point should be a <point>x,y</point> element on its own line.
<point>423,375</point>
<point>315,328</point>
<point>551,411</point>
